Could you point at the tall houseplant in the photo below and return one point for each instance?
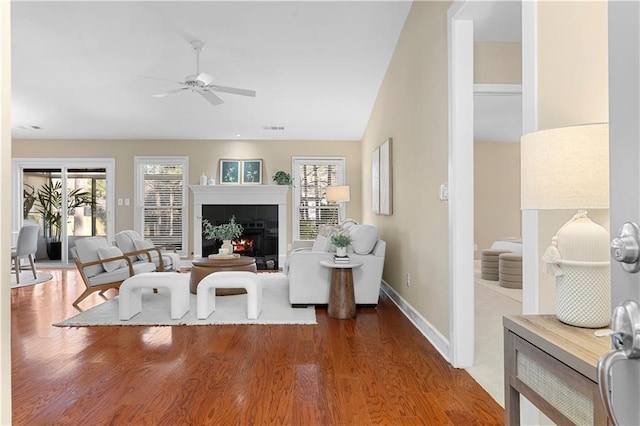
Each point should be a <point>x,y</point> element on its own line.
<point>49,205</point>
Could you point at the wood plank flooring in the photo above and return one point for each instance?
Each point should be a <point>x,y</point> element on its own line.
<point>375,369</point>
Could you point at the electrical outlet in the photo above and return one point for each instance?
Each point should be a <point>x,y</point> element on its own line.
<point>408,279</point>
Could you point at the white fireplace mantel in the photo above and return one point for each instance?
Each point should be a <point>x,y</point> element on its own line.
<point>240,194</point>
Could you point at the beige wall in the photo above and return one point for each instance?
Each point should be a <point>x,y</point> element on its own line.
<point>496,192</point>
<point>497,63</point>
<point>203,158</point>
<point>572,89</point>
<point>496,164</point>
<point>572,63</point>
<point>412,109</point>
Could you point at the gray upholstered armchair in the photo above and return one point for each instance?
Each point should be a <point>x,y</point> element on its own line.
<point>309,281</point>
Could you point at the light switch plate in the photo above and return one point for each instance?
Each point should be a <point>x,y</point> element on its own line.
<point>444,192</point>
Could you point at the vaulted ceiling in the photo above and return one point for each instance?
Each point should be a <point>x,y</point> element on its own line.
<point>81,69</point>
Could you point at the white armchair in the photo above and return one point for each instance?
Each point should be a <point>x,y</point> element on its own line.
<point>310,282</point>
<point>132,243</point>
<point>103,266</point>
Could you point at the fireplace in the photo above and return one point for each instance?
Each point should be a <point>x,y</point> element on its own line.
<point>259,238</point>
<point>260,209</point>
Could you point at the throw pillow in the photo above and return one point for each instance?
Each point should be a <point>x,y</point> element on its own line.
<point>323,240</point>
<point>363,238</point>
<point>108,252</point>
<point>87,251</point>
<point>320,244</point>
<point>145,245</point>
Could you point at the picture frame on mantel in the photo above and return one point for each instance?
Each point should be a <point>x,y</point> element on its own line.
<point>229,172</point>
<point>385,178</point>
<point>252,172</point>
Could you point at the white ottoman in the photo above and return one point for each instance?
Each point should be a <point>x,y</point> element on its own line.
<point>130,298</point>
<point>206,292</point>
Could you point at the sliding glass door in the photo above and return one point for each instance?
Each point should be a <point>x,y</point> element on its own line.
<point>68,202</point>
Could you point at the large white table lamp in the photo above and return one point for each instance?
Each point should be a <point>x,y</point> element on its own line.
<point>568,168</point>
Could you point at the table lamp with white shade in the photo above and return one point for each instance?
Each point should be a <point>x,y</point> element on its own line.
<point>338,194</point>
<point>568,168</point>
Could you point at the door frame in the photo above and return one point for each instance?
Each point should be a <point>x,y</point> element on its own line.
<point>461,214</point>
<point>461,179</point>
<point>18,166</point>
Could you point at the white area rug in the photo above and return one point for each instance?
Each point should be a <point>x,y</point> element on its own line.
<point>229,309</point>
<point>26,278</point>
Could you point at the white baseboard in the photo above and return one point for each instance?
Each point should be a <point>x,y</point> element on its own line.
<point>438,341</point>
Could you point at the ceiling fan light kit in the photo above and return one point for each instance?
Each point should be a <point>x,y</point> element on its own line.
<point>201,83</point>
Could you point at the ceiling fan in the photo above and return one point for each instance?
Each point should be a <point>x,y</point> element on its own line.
<point>201,83</point>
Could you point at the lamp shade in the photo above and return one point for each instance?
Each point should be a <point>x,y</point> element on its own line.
<point>338,194</point>
<point>566,168</point>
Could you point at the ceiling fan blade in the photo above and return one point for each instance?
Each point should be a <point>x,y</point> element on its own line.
<point>205,78</point>
<point>170,92</point>
<point>233,90</point>
<point>212,98</point>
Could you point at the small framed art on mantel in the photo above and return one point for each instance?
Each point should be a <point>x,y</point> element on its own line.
<point>229,172</point>
<point>252,172</point>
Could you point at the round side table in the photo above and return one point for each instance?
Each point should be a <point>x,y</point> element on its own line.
<point>342,300</point>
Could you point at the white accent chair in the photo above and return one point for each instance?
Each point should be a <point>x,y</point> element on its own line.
<point>26,246</point>
<point>103,266</point>
<point>131,242</point>
<point>310,282</point>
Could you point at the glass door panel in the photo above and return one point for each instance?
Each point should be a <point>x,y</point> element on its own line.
<point>82,191</point>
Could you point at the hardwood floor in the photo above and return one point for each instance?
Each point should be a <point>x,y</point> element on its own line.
<point>375,369</point>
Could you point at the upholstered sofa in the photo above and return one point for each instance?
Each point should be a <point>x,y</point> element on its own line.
<point>309,281</point>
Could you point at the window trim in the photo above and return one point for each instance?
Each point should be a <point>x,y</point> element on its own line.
<point>138,216</point>
<point>297,161</point>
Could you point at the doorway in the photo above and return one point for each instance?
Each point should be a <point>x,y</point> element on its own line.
<point>67,198</point>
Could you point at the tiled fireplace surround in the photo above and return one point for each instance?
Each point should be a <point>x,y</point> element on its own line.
<point>236,195</point>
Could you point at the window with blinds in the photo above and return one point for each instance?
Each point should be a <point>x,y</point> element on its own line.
<point>311,178</point>
<point>161,201</point>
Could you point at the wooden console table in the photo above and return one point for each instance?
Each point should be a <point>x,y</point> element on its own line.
<point>553,365</point>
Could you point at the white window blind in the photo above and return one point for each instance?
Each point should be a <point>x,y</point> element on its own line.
<point>161,201</point>
<point>311,178</point>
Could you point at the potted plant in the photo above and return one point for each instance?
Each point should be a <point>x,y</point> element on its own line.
<point>224,232</point>
<point>48,204</point>
<point>341,241</point>
<point>282,178</point>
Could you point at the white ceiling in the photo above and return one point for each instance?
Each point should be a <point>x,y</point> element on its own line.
<point>79,67</point>
<point>316,67</point>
